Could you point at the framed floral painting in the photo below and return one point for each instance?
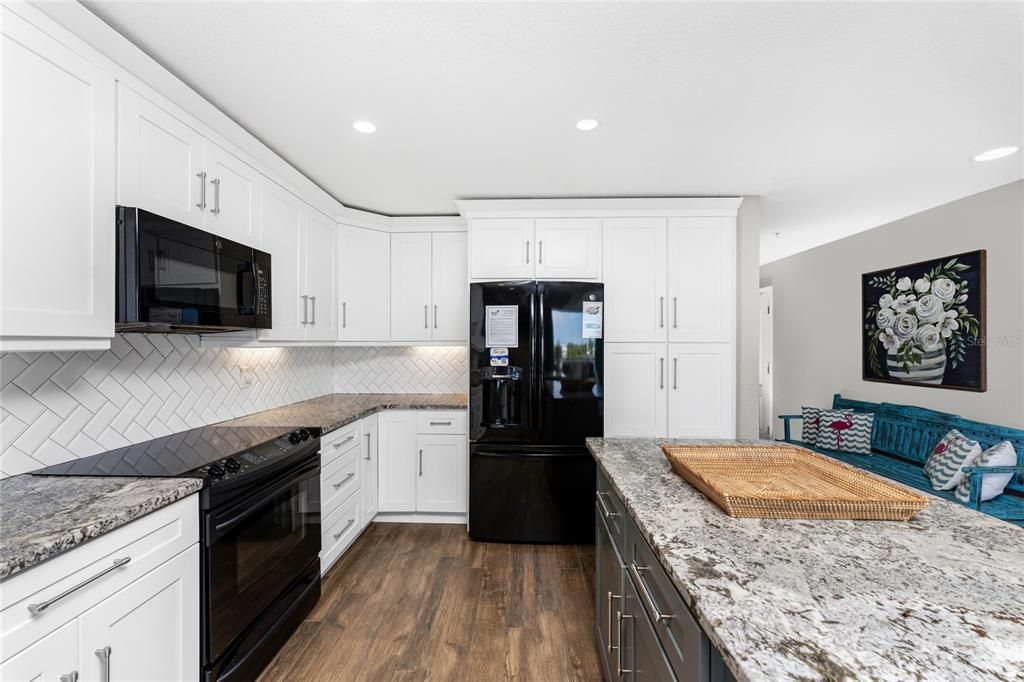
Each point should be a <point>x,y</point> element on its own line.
<point>924,324</point>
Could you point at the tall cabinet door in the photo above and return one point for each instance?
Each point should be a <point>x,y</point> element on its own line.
<point>702,295</point>
<point>502,248</point>
<point>151,626</point>
<point>57,196</point>
<point>48,660</point>
<point>319,271</point>
<point>369,473</point>
<point>280,236</point>
<point>233,193</point>
<point>568,248</point>
<point>449,287</point>
<point>635,390</point>
<point>160,161</point>
<point>702,390</point>
<point>396,464</point>
<point>410,286</point>
<point>635,279</point>
<point>441,474</point>
<point>364,282</point>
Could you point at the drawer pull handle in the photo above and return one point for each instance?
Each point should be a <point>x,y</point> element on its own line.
<point>337,536</point>
<point>36,609</point>
<point>447,423</point>
<point>344,480</point>
<point>104,655</point>
<point>350,438</point>
<point>69,677</point>
<point>604,508</point>
<point>367,458</point>
<point>611,647</point>
<point>645,593</point>
<point>619,617</point>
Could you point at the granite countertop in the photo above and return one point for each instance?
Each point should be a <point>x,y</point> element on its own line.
<point>43,516</point>
<point>333,411</point>
<point>940,597</point>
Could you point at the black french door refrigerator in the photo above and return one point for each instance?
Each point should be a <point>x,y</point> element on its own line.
<point>535,394</point>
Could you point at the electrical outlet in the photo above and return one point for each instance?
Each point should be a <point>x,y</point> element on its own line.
<point>246,376</point>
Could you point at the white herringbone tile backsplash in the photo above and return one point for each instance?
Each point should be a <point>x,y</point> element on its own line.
<point>400,369</point>
<point>62,405</point>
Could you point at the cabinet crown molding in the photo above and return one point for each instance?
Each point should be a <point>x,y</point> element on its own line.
<point>599,208</point>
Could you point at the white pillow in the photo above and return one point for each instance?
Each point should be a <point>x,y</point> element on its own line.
<point>999,455</point>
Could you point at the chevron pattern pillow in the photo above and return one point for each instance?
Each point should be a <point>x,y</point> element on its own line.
<point>810,424</point>
<point>845,431</point>
<point>945,465</point>
<point>999,455</point>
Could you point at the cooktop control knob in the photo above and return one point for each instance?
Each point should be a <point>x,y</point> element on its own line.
<point>216,471</point>
<point>294,438</point>
<point>304,434</point>
<point>232,465</point>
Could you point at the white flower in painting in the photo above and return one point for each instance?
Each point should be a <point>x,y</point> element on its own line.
<point>904,284</point>
<point>922,286</point>
<point>943,289</point>
<point>885,301</point>
<point>952,313</point>
<point>890,341</point>
<point>962,298</point>
<point>949,325</point>
<point>928,338</point>
<point>929,309</point>
<point>886,317</point>
<point>905,325</point>
<point>902,304</point>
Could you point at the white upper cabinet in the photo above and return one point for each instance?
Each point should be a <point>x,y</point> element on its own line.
<point>364,264</point>
<point>701,400</point>
<point>634,390</point>
<point>501,248</point>
<point>318,266</point>
<point>280,236</point>
<point>635,289</point>
<point>568,248</point>
<point>449,287</point>
<point>233,196</point>
<point>702,279</point>
<point>57,197</point>
<point>410,286</point>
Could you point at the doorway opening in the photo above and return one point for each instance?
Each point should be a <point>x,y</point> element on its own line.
<point>765,423</point>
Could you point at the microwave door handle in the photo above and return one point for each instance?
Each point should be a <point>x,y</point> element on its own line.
<point>255,285</point>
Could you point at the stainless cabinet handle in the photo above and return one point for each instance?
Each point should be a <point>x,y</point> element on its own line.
<point>69,677</point>
<point>675,373</point>
<point>426,325</point>
<point>312,303</point>
<point>344,480</point>
<point>344,315</point>
<point>36,609</point>
<point>661,312</point>
<point>604,508</point>
<point>645,593</point>
<point>367,458</point>
<point>447,423</point>
<point>619,617</point>
<point>661,372</point>
<point>435,317</point>
<point>611,647</point>
<point>527,251</point>
<point>216,196</point>
<point>337,536</point>
<point>202,191</point>
<point>104,655</point>
<point>421,462</point>
<point>540,251</point>
<point>305,309</point>
<point>341,442</point>
<point>675,312</point>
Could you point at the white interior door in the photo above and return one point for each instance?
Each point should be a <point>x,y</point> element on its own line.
<point>57,196</point>
<point>364,267</point>
<point>766,419</point>
<point>233,189</point>
<point>501,248</point>
<point>151,626</point>
<point>397,461</point>
<point>280,236</point>
<point>702,279</point>
<point>52,657</point>
<point>568,248</point>
<point>441,479</point>
<point>450,287</point>
<point>319,266</point>
<point>702,395</point>
<point>410,286</point>
<point>634,279</point>
<point>635,400</point>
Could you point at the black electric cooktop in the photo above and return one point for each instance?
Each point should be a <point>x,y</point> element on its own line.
<point>175,455</point>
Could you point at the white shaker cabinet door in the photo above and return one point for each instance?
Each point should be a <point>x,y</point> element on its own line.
<point>233,197</point>
<point>501,248</point>
<point>635,390</point>
<point>449,287</point>
<point>54,658</point>
<point>364,266</point>
<point>160,161</point>
<point>57,197</point>
<point>319,276</point>
<point>702,390</point>
<point>369,473</point>
<point>396,465</point>
<point>151,627</point>
<point>280,236</point>
<point>410,286</point>
<point>702,279</point>
<point>568,248</point>
<point>635,279</point>
<point>441,474</point>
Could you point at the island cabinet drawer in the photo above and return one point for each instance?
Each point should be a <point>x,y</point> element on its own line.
<point>337,443</point>
<point>685,644</point>
<point>611,508</point>
<point>448,422</point>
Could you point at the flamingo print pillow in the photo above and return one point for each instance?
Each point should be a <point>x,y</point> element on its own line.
<point>945,466</point>
<point>845,431</point>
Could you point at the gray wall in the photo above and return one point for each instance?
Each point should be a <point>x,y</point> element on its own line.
<point>818,308</point>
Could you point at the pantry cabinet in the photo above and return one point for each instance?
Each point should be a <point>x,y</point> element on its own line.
<point>701,279</point>
<point>635,395</point>
<point>364,266</point>
<point>423,462</point>
<point>636,281</point>
<point>429,288</point>
<point>57,198</point>
<point>701,389</point>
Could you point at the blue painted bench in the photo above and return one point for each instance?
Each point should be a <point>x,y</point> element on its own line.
<point>904,435</point>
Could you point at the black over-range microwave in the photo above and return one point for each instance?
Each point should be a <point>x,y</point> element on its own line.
<point>175,278</point>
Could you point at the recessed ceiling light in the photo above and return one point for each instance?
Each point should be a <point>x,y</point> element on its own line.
<point>998,153</point>
<point>586,124</point>
<point>364,127</point>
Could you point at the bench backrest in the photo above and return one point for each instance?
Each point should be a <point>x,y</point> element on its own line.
<point>910,432</point>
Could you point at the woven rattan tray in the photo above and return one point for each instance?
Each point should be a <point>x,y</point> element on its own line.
<point>782,482</point>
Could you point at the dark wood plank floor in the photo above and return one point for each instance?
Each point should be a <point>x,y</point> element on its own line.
<point>423,602</point>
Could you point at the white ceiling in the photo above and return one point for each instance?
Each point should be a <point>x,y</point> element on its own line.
<point>842,116</point>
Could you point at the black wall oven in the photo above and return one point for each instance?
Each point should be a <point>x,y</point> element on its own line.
<point>175,278</point>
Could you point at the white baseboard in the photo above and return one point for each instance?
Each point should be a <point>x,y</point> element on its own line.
<point>421,517</point>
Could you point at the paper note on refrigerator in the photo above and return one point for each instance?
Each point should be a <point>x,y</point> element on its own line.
<point>593,319</point>
<point>502,326</point>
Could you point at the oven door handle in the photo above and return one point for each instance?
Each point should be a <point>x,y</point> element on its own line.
<point>309,472</point>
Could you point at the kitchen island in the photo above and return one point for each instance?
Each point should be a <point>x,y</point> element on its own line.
<point>935,598</point>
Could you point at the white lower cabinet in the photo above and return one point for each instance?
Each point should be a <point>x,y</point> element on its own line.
<point>423,462</point>
<point>368,468</point>
<point>634,390</point>
<point>441,481</point>
<point>397,461</point>
<point>53,658</point>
